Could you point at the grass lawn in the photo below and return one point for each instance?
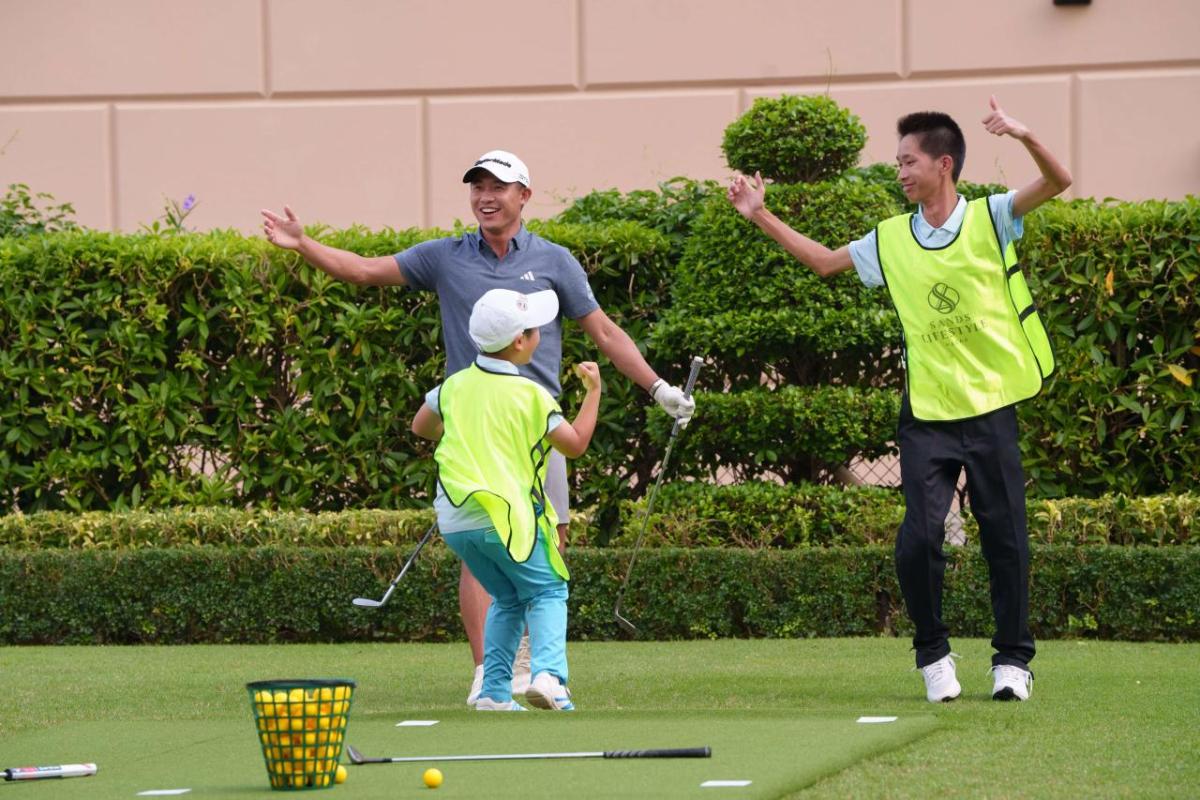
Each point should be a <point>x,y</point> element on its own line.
<point>1106,719</point>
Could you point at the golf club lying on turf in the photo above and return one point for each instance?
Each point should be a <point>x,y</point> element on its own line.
<point>366,602</point>
<point>628,626</point>
<point>685,752</point>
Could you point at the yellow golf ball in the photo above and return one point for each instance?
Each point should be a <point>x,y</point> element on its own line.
<point>340,775</point>
<point>432,777</point>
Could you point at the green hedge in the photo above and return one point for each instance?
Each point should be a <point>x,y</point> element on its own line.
<point>751,515</point>
<point>671,209</point>
<point>156,371</point>
<point>1118,286</point>
<point>215,369</point>
<point>210,594</point>
<point>797,432</point>
<point>762,514</point>
<point>212,526</point>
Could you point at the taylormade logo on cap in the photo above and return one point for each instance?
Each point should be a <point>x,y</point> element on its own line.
<point>501,314</point>
<point>503,164</point>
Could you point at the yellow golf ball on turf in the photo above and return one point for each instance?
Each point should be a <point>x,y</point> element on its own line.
<point>432,777</point>
<point>340,775</point>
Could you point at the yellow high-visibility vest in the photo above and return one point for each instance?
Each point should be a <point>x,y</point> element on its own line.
<point>494,450</point>
<point>973,341</point>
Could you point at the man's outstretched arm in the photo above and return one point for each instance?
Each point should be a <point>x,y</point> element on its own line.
<point>1054,178</point>
<point>288,233</point>
<point>746,195</point>
<point>612,340</point>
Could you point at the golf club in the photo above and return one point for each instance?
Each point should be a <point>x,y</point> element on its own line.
<point>628,626</point>
<point>366,602</point>
<point>685,752</point>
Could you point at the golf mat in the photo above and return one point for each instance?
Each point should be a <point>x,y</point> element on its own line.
<point>776,752</point>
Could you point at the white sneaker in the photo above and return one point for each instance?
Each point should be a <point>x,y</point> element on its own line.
<point>1011,682</point>
<point>488,704</point>
<point>941,683</point>
<point>521,676</point>
<point>546,691</point>
<point>476,686</point>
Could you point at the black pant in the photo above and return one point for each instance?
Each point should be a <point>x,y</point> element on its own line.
<point>931,456</point>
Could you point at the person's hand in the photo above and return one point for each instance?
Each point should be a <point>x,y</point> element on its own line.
<point>286,231</point>
<point>747,194</point>
<point>1000,123</point>
<point>673,400</point>
<point>589,373</point>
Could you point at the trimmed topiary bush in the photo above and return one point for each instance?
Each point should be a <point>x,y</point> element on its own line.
<point>794,139</point>
<point>744,301</point>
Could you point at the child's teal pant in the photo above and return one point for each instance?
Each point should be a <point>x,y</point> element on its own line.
<point>528,594</point>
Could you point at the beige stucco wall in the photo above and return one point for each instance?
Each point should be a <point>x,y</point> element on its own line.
<point>368,110</point>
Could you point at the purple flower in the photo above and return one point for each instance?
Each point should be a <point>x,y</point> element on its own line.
<point>189,202</point>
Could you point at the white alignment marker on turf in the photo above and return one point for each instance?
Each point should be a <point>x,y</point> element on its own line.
<point>416,723</point>
<point>162,792</point>
<point>875,720</point>
<point>723,784</point>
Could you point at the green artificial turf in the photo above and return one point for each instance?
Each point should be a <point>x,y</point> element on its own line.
<point>777,751</point>
<point>1106,719</point>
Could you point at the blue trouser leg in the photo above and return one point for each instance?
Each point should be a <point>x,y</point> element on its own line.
<point>545,596</point>
<point>530,593</point>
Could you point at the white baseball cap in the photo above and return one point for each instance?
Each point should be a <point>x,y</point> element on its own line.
<point>503,164</point>
<point>501,314</point>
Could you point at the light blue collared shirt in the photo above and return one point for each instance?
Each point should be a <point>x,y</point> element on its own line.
<point>470,515</point>
<point>866,256</point>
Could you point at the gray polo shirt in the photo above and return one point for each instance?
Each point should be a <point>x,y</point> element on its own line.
<point>462,268</point>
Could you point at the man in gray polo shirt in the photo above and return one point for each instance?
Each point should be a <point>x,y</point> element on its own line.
<point>501,255</point>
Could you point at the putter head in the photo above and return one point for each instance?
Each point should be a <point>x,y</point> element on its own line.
<point>365,602</point>
<point>354,756</point>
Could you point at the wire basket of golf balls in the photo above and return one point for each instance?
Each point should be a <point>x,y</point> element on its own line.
<point>301,726</point>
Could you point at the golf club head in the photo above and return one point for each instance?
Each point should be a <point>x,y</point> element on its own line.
<point>365,602</point>
<point>354,756</point>
<point>624,624</point>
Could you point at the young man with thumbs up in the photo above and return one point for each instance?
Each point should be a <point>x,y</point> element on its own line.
<point>973,348</point>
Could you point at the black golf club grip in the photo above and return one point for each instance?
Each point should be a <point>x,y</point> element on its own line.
<point>679,752</point>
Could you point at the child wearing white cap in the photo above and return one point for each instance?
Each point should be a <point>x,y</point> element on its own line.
<point>501,254</point>
<point>494,430</point>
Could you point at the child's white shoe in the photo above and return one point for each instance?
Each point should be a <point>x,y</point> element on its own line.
<point>546,691</point>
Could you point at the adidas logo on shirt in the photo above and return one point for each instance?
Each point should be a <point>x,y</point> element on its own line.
<point>528,276</point>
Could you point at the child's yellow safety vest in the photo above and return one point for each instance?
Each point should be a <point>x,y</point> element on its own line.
<point>494,450</point>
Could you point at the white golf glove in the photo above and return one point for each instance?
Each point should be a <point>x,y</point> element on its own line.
<point>673,401</point>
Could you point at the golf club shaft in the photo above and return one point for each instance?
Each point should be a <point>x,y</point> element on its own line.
<point>413,557</point>
<point>685,752</point>
<point>687,391</point>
